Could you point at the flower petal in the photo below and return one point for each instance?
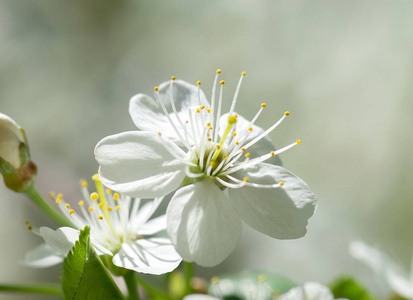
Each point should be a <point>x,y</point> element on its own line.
<point>380,263</point>
<point>42,256</point>
<point>10,139</point>
<point>140,164</point>
<point>264,146</point>
<point>150,256</point>
<point>282,212</point>
<point>202,224</point>
<point>310,290</point>
<point>61,240</point>
<point>153,226</point>
<point>148,115</point>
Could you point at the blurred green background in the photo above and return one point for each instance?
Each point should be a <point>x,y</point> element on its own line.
<point>344,69</point>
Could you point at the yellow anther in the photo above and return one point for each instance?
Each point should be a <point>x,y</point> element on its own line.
<point>210,127</point>
<point>173,78</point>
<point>60,196</point>
<point>58,200</point>
<point>222,82</point>
<point>101,205</point>
<point>186,122</point>
<point>262,278</point>
<point>110,208</point>
<point>243,73</point>
<point>236,116</point>
<point>246,179</point>
<point>247,155</point>
<point>52,194</point>
<point>232,119</point>
<point>225,156</point>
<point>219,71</point>
<point>90,208</point>
<point>263,104</point>
<point>156,88</point>
<point>26,223</point>
<point>108,191</point>
<point>287,113</point>
<point>67,205</point>
<point>218,147</point>
<point>83,183</point>
<point>30,227</point>
<point>117,207</point>
<point>237,142</point>
<point>281,183</point>
<point>100,217</point>
<point>159,133</point>
<point>198,82</point>
<point>250,129</point>
<point>197,111</point>
<point>209,140</point>
<point>115,196</point>
<point>202,106</point>
<point>208,124</point>
<point>243,149</point>
<point>272,153</point>
<point>81,203</point>
<point>208,110</point>
<point>94,196</point>
<point>208,134</point>
<point>71,212</point>
<point>215,280</point>
<point>212,163</point>
<point>298,142</point>
<point>95,177</point>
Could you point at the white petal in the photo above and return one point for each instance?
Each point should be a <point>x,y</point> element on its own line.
<point>264,146</point>
<point>42,256</point>
<point>384,266</point>
<point>199,297</point>
<point>153,226</point>
<point>150,256</point>
<point>10,139</point>
<point>148,115</point>
<point>281,212</point>
<point>202,224</point>
<point>309,291</point>
<point>61,240</point>
<point>140,164</point>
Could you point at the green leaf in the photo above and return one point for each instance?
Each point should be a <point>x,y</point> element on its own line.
<point>84,276</point>
<point>347,287</point>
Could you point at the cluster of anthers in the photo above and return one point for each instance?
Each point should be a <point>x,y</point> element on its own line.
<point>218,149</point>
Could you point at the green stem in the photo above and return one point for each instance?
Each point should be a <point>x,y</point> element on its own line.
<point>47,289</point>
<point>151,290</point>
<point>132,285</point>
<point>34,195</point>
<point>189,270</point>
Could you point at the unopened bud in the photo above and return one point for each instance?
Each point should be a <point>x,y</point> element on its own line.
<point>15,165</point>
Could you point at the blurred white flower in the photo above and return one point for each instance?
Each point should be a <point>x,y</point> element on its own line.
<point>400,281</point>
<point>188,144</point>
<point>120,228</point>
<point>199,297</point>
<point>309,291</point>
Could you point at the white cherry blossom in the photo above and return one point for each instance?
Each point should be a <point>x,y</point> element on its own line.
<point>120,227</point>
<point>224,167</point>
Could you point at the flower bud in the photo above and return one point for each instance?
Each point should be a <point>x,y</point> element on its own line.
<point>15,165</point>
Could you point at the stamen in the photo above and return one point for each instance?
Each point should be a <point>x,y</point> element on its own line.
<point>83,183</point>
<point>94,196</point>
<point>218,115</point>
<point>71,212</point>
<point>52,195</point>
<point>81,203</point>
<point>115,196</point>
<point>234,100</point>
<point>231,120</point>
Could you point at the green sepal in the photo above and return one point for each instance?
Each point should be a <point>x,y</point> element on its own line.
<point>24,154</point>
<point>6,167</point>
<point>348,287</point>
<point>83,276</point>
<point>117,271</point>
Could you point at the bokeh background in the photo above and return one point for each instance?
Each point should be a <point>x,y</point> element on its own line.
<point>343,68</point>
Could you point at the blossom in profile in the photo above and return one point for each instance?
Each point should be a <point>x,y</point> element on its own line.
<point>121,227</point>
<point>309,291</point>
<point>395,275</point>
<point>225,170</point>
